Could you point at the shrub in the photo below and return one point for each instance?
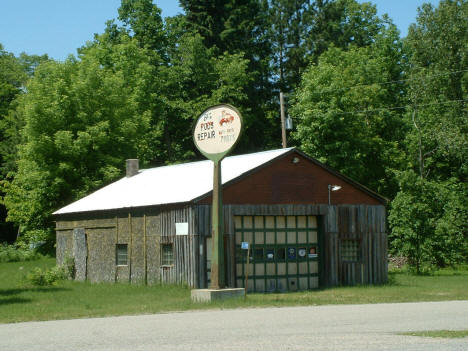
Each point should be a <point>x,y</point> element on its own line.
<point>69,266</point>
<point>428,222</point>
<point>48,277</point>
<point>16,253</point>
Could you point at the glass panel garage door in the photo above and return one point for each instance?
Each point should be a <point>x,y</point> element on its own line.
<point>283,252</point>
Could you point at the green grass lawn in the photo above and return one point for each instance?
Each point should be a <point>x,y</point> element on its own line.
<point>440,333</point>
<point>20,301</point>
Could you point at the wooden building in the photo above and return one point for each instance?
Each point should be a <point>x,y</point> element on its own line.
<point>154,225</point>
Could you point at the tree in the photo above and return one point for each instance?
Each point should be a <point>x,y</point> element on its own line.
<point>12,77</point>
<point>188,76</point>
<point>123,97</point>
<point>82,121</point>
<point>430,209</point>
<point>344,113</point>
<point>428,221</point>
<point>195,80</point>
<point>439,91</point>
<point>14,73</point>
<point>239,27</point>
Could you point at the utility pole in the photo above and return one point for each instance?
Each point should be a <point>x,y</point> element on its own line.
<point>283,120</point>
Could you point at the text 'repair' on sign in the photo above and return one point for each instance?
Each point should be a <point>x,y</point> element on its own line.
<point>217,130</point>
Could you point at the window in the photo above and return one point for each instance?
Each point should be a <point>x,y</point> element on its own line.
<point>121,255</point>
<point>258,254</point>
<point>281,252</point>
<point>167,255</point>
<point>350,250</point>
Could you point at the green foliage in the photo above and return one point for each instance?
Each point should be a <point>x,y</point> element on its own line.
<point>16,253</point>
<point>69,267</point>
<point>196,80</point>
<point>341,113</point>
<point>14,73</point>
<point>390,115</point>
<point>119,99</point>
<point>428,221</point>
<point>300,31</point>
<point>187,77</point>
<point>47,277</point>
<point>438,43</point>
<point>81,121</point>
<point>143,18</point>
<point>428,216</point>
<point>240,27</point>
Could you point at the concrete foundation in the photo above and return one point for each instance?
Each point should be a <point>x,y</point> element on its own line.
<point>208,295</point>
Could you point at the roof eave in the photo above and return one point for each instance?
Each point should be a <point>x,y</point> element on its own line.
<point>121,209</point>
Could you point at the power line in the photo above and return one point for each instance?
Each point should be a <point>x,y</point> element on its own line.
<point>404,107</point>
<point>395,81</point>
<point>397,107</point>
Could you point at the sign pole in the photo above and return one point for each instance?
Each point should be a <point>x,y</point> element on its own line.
<point>217,259</point>
<point>247,273</point>
<point>215,133</point>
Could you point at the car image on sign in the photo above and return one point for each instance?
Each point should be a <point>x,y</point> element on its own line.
<point>226,118</point>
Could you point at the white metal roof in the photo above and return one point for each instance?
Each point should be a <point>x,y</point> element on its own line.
<point>168,184</point>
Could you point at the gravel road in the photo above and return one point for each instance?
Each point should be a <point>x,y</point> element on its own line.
<point>337,327</point>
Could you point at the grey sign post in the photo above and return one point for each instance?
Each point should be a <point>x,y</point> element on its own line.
<point>215,134</point>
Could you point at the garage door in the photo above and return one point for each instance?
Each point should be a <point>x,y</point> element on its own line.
<point>283,255</point>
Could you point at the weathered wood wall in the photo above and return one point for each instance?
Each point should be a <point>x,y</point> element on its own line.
<point>186,247</point>
<point>143,231</point>
<point>365,223</point>
<point>102,232</point>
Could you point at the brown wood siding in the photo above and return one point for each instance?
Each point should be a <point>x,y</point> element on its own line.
<point>365,223</point>
<point>283,182</point>
<point>186,247</point>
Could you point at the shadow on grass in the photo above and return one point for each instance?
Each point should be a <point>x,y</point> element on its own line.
<point>13,300</point>
<point>10,292</point>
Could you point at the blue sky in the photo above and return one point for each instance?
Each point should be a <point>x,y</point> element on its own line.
<point>59,27</point>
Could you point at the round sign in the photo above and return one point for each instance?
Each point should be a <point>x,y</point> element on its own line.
<point>217,131</point>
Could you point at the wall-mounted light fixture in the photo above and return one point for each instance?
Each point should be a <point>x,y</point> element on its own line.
<point>332,187</point>
<point>295,160</point>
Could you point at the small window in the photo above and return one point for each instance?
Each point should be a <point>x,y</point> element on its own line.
<point>121,254</point>
<point>350,250</point>
<point>258,254</point>
<point>291,253</point>
<point>281,252</point>
<point>167,255</point>
<point>270,254</point>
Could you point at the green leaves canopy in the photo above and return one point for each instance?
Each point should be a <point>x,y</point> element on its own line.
<point>81,121</point>
<point>342,118</point>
